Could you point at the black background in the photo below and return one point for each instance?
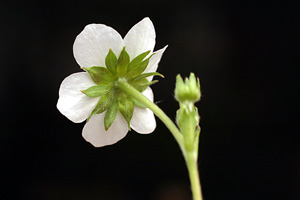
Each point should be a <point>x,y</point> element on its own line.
<point>246,55</point>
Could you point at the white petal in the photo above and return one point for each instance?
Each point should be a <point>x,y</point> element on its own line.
<point>153,62</point>
<point>72,103</point>
<point>140,38</point>
<point>95,133</point>
<point>143,120</point>
<point>93,43</point>
<point>148,93</point>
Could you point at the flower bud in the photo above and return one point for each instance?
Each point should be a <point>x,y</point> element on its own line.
<point>187,90</point>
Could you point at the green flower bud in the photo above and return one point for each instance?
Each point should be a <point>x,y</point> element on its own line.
<point>188,90</point>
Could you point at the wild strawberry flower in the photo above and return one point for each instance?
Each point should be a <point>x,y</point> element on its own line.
<point>93,95</point>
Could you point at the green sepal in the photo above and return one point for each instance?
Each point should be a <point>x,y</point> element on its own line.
<point>187,118</point>
<point>187,90</point>
<point>100,75</point>
<point>102,104</point>
<point>137,103</point>
<point>126,107</point>
<point>111,114</point>
<point>196,144</point>
<point>138,69</point>
<point>137,60</point>
<point>141,84</point>
<point>111,62</point>
<point>123,62</point>
<point>96,91</point>
<point>145,75</point>
<point>141,68</point>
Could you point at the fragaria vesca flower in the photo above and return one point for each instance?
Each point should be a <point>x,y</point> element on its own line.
<point>93,95</point>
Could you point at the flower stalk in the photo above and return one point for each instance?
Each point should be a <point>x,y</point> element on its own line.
<point>189,150</point>
<point>192,166</point>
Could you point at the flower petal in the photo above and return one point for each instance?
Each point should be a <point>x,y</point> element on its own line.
<point>92,45</point>
<point>140,38</point>
<point>148,93</point>
<point>72,103</point>
<point>153,62</point>
<point>94,130</point>
<point>143,120</point>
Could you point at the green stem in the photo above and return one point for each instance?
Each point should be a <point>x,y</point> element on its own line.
<point>190,158</point>
<point>191,162</point>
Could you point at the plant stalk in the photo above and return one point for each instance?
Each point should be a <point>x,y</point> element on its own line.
<point>190,158</point>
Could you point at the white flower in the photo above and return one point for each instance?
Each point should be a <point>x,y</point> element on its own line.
<point>90,49</point>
